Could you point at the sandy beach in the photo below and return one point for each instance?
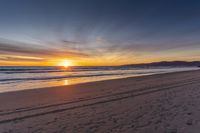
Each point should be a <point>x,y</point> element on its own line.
<point>162,103</point>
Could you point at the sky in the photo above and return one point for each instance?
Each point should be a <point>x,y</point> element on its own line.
<point>98,32</point>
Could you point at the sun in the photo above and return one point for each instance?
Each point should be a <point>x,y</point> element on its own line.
<point>66,63</point>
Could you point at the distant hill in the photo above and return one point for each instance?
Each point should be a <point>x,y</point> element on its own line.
<point>167,64</point>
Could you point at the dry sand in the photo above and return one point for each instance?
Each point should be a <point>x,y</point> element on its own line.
<point>163,103</point>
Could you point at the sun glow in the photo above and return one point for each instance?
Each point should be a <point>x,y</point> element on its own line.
<point>66,63</point>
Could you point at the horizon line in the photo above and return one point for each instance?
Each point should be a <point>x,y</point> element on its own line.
<point>98,65</point>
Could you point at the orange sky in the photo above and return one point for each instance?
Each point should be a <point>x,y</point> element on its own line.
<point>103,60</point>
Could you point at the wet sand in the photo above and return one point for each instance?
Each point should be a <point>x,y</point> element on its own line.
<point>162,103</point>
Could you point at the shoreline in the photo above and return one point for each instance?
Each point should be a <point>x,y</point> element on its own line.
<point>93,82</point>
<point>133,104</point>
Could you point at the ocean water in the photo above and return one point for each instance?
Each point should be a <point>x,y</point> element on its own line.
<point>22,78</point>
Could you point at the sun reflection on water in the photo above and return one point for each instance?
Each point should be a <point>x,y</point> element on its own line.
<point>66,82</point>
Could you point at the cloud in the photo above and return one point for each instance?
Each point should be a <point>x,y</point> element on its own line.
<point>20,58</point>
<point>21,48</point>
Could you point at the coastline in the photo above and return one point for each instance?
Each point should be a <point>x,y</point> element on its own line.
<point>50,103</point>
<point>69,82</point>
<point>11,80</point>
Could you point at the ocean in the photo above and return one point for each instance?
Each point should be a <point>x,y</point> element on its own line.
<point>22,78</point>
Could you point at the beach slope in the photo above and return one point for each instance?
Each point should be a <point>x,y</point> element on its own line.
<point>162,103</point>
